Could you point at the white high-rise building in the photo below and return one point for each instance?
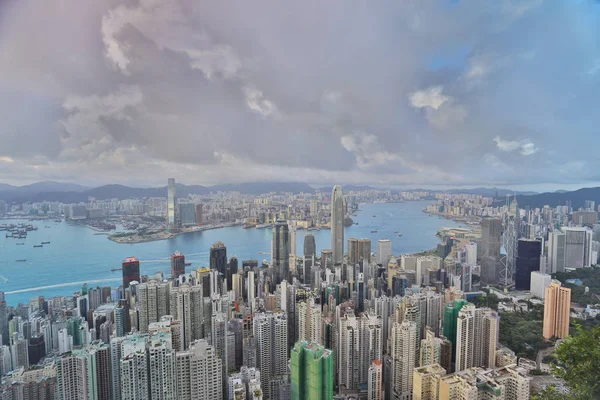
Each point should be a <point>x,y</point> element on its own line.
<point>72,382</point>
<point>384,251</point>
<point>251,291</point>
<point>271,333</point>
<point>309,321</point>
<point>337,225</point>
<point>431,349</point>
<point>375,384</point>
<point>402,344</point>
<point>199,375</point>
<point>153,301</point>
<point>539,283</point>
<point>162,367</point>
<point>556,251</point>
<point>116,346</point>
<point>134,368</point>
<point>578,247</point>
<point>476,337</point>
<point>187,304</point>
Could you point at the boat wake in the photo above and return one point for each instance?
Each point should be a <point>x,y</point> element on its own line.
<point>61,285</point>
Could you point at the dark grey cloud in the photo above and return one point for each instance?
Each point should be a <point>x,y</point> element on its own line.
<point>403,93</point>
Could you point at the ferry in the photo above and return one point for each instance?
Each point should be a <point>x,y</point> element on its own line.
<point>374,231</point>
<point>21,260</point>
<point>38,245</point>
<point>400,234</point>
<point>260,226</point>
<point>187,264</point>
<point>45,242</point>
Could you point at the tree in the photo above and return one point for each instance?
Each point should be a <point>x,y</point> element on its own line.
<point>578,358</point>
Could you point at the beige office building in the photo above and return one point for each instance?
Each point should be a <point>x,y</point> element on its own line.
<point>557,309</point>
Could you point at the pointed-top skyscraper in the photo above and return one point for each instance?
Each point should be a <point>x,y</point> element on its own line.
<point>337,224</point>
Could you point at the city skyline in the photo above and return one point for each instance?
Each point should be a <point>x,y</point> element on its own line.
<point>246,103</point>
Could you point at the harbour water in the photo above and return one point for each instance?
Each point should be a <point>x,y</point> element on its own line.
<point>77,254</point>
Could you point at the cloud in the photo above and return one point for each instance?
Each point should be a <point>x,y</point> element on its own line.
<point>6,159</point>
<point>525,146</point>
<point>138,90</point>
<point>431,97</point>
<point>594,68</point>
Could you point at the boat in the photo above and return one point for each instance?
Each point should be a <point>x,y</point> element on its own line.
<point>21,260</point>
<point>38,245</point>
<point>400,234</point>
<point>58,220</point>
<point>374,216</point>
<point>20,244</point>
<point>374,231</point>
<point>260,226</point>
<point>187,264</point>
<point>45,242</point>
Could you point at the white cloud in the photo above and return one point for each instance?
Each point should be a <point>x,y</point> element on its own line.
<point>257,102</point>
<point>525,147</point>
<point>7,159</point>
<point>431,97</point>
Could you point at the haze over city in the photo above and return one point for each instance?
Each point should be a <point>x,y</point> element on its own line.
<point>422,93</point>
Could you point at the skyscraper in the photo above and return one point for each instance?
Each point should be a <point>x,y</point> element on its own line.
<point>199,375</point>
<point>310,250</point>
<point>578,247</point>
<point>491,242</point>
<point>556,251</point>
<point>337,225</point>
<point>218,259</point>
<point>402,345</point>
<point>270,331</point>
<point>161,367</point>
<point>177,265</point>
<point>311,372</point>
<point>134,368</point>
<point>358,249</point>
<point>528,260</point>
<point>171,205</point>
<point>375,384</point>
<point>557,309</point>
<point>187,214</point>
<point>384,251</point>
<point>281,251</point>
<point>131,271</point>
<point>199,216</point>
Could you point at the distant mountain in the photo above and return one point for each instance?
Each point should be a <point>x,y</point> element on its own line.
<point>346,188</point>
<point>75,194</point>
<point>4,187</point>
<point>577,198</point>
<point>487,192</point>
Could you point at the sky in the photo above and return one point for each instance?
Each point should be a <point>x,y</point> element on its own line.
<point>411,93</point>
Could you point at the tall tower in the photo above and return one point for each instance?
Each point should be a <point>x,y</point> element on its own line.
<point>510,234</point>
<point>131,271</point>
<point>270,331</point>
<point>218,259</point>
<point>557,309</point>
<point>403,339</point>
<point>281,251</point>
<point>199,373</point>
<point>162,367</point>
<point>375,384</point>
<point>171,205</point>
<point>311,372</point>
<point>310,250</point>
<point>177,265</point>
<point>337,225</point>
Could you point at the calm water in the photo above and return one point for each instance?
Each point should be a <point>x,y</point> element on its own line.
<point>77,255</point>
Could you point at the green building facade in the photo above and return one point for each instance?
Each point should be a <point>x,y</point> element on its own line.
<point>311,372</point>
<point>450,317</point>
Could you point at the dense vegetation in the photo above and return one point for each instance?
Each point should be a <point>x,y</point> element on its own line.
<point>522,332</point>
<point>578,363</point>
<point>590,278</point>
